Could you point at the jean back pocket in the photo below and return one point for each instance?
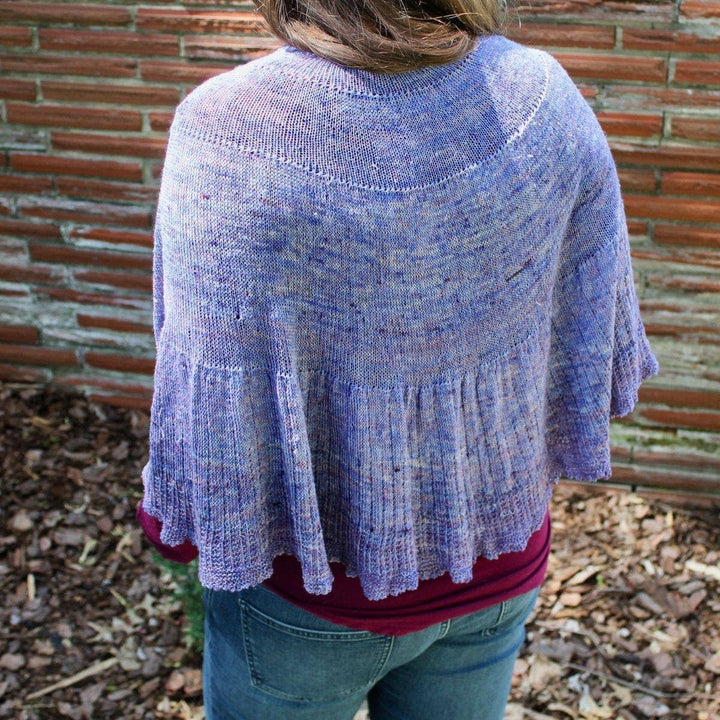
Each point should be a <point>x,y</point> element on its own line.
<point>297,661</point>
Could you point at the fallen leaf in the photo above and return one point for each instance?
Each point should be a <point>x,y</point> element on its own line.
<point>650,706</point>
<point>543,671</point>
<point>713,663</point>
<point>571,599</point>
<point>21,521</point>
<point>591,710</point>
<point>174,684</point>
<point>12,661</point>
<point>709,570</point>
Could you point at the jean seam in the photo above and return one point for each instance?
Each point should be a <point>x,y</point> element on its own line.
<point>382,662</point>
<point>347,636</point>
<point>503,612</point>
<point>507,603</point>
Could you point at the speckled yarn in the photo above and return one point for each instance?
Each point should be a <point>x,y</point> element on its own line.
<point>390,312</point>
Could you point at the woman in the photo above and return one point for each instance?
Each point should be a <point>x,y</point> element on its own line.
<point>394,303</point>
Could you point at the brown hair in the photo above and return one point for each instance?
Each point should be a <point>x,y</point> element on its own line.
<point>384,36</point>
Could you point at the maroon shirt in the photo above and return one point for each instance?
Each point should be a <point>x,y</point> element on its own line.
<point>433,601</point>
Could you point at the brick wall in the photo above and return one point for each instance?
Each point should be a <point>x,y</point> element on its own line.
<point>87,93</point>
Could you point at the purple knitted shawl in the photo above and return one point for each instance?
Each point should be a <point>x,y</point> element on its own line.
<point>390,312</point>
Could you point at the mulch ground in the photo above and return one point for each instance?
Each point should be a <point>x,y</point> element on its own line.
<point>627,625</point>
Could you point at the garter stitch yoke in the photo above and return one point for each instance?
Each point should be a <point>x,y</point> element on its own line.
<point>390,312</point>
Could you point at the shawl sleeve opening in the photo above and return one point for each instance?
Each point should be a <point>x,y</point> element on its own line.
<point>600,352</point>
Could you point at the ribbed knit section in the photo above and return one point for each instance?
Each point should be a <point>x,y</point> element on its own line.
<point>390,312</point>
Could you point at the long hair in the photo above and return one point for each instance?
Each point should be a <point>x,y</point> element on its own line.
<point>386,36</point>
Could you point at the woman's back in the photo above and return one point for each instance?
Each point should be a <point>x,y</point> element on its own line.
<point>391,311</point>
<point>394,303</point>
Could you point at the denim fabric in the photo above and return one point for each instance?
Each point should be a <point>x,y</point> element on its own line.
<point>266,659</point>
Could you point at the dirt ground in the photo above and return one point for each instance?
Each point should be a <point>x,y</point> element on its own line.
<point>627,625</point>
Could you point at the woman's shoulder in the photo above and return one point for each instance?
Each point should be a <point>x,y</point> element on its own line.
<point>227,92</point>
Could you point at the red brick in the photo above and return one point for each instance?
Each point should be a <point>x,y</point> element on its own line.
<point>156,170</point>
<point>14,292</point>
<point>99,190</point>
<point>33,355</point>
<point>692,284</point>
<point>14,250</point>
<point>111,323</point>
<point>17,89</point>
<point>589,92</point>
<point>120,237</point>
<point>23,334</point>
<point>686,235</point>
<point>123,363</point>
<point>637,180</point>
<point>24,184</point>
<point>700,9</point>
<point>567,35</point>
<point>684,183</point>
<point>75,117</point>
<point>670,455</point>
<point>81,211</point>
<point>58,165</point>
<point>91,381</point>
<point>15,36</point>
<point>22,228</point>
<point>201,21</point>
<point>113,94</point>
<point>75,256</point>
<point>111,299</point>
<point>109,144</point>
<point>647,477</point>
<point>179,72</point>
<point>13,373</point>
<point>65,13</point>
<point>31,273</point>
<point>129,281</point>
<point>613,67</point>
<point>670,330</point>
<point>644,97</point>
<point>677,497</point>
<point>667,156</point>
<point>681,397</point>
<point>704,260</point>
<point>615,123</point>
<point>160,120</point>
<point>697,72</point>
<point>636,227</point>
<point>238,49</point>
<point>696,128</point>
<point>107,41</point>
<point>639,477</point>
<point>68,65</point>
<point>608,10</point>
<point>669,40</point>
<point>660,208</point>
<point>123,401</point>
<point>651,305</point>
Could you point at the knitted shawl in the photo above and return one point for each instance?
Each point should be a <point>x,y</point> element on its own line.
<point>390,311</point>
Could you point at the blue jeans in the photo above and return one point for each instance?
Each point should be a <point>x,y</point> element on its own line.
<point>266,659</point>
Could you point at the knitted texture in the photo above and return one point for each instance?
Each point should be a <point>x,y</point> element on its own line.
<point>390,312</point>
